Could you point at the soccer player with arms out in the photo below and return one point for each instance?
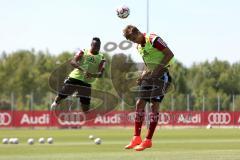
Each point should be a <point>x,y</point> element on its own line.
<point>157,57</point>
<point>88,65</point>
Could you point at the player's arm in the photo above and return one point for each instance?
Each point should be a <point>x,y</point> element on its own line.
<point>76,58</point>
<point>160,45</point>
<point>101,69</point>
<point>145,73</point>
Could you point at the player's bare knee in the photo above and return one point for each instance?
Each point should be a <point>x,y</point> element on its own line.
<point>140,104</point>
<point>155,107</point>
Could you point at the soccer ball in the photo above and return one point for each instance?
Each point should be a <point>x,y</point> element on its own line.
<point>98,141</point>
<point>41,140</point>
<point>15,141</point>
<point>5,141</point>
<point>91,137</point>
<point>11,141</point>
<point>123,12</point>
<point>209,126</point>
<point>30,141</point>
<point>50,140</point>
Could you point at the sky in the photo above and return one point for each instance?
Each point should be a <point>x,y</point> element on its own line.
<point>195,30</point>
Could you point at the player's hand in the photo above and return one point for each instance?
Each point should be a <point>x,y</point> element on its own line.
<point>80,68</point>
<point>156,73</point>
<point>92,75</point>
<point>139,81</point>
<point>145,75</point>
<point>88,75</point>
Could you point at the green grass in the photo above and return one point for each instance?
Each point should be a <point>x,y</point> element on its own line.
<point>168,144</point>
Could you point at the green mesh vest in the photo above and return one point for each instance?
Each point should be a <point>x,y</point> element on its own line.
<point>89,63</point>
<point>151,56</point>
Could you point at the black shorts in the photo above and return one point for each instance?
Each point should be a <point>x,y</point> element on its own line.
<point>154,89</point>
<point>72,85</point>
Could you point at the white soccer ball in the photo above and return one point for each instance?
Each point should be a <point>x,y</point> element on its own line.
<point>5,140</point>
<point>91,137</point>
<point>15,141</point>
<point>11,140</point>
<point>41,140</point>
<point>50,140</point>
<point>30,141</point>
<point>98,141</point>
<point>123,12</point>
<point>209,126</point>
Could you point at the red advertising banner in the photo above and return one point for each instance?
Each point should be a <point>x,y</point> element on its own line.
<point>114,118</point>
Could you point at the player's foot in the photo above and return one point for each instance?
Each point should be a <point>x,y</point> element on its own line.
<point>136,140</point>
<point>147,143</point>
<point>53,105</point>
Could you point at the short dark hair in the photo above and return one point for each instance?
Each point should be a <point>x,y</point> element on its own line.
<point>96,39</point>
<point>128,30</point>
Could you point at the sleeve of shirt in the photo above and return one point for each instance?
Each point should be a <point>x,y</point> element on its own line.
<point>159,44</point>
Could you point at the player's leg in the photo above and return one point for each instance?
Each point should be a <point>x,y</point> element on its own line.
<point>85,103</point>
<point>154,116</point>
<point>139,116</point>
<point>144,97</point>
<point>138,121</point>
<point>147,142</point>
<point>57,100</point>
<point>157,97</point>
<point>84,93</point>
<point>67,89</point>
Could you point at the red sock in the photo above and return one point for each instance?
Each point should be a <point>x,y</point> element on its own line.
<point>139,118</point>
<point>153,124</point>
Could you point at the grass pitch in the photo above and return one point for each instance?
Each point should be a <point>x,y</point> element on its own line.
<point>168,144</point>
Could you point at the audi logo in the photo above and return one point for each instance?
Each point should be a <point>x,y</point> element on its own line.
<point>131,116</point>
<point>219,118</point>
<point>164,118</point>
<point>72,118</point>
<point>5,119</point>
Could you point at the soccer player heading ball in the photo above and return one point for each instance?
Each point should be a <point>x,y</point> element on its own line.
<point>88,65</point>
<point>153,82</point>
